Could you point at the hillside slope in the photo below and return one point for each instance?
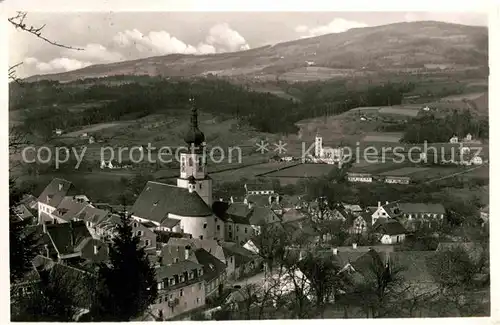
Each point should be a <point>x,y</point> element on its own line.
<point>396,46</point>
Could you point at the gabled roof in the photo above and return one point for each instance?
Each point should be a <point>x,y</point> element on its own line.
<point>22,212</point>
<point>258,199</point>
<point>91,214</point>
<point>67,237</point>
<point>293,215</point>
<point>55,192</point>
<point>242,214</point>
<point>69,208</point>
<point>241,254</point>
<point>352,207</point>
<point>212,266</point>
<point>210,245</point>
<point>29,200</point>
<point>421,208</point>
<point>259,187</point>
<point>168,271</point>
<point>391,209</point>
<point>392,227</point>
<point>157,200</point>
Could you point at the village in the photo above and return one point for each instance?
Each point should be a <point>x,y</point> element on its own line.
<point>206,251</point>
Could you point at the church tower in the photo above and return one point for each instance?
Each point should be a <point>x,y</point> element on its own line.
<point>193,165</point>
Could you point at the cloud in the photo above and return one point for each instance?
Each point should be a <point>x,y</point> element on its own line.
<point>338,25</point>
<point>221,38</point>
<point>55,65</point>
<point>96,53</point>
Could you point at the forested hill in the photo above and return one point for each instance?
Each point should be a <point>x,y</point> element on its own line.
<point>48,105</point>
<point>372,49</point>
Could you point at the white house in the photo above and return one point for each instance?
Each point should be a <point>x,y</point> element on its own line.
<point>391,231</point>
<point>454,139</point>
<point>359,177</point>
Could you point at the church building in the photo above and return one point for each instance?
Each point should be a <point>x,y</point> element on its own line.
<point>187,207</point>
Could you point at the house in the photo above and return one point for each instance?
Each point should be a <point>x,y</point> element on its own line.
<point>51,197</point>
<point>468,138</point>
<point>240,261</point>
<point>181,288</point>
<point>244,221</point>
<point>454,139</point>
<point>397,180</point>
<point>174,249</point>
<point>214,272</point>
<point>68,209</point>
<point>263,188</point>
<point>58,131</point>
<point>386,211</point>
<point>22,212</point>
<point>360,224</point>
<point>293,215</point>
<point>416,215</point>
<point>107,164</point>
<point>391,231</point>
<point>352,208</point>
<point>476,160</point>
<point>92,216</point>
<point>359,177</point>
<point>72,242</point>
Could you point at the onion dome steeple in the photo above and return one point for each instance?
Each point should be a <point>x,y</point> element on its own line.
<point>194,136</point>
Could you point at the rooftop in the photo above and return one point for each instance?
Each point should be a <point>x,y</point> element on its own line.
<point>55,192</point>
<point>157,200</point>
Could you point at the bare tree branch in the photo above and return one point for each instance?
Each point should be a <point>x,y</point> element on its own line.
<point>19,23</point>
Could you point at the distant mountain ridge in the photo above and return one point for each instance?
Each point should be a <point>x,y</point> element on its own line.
<point>395,47</point>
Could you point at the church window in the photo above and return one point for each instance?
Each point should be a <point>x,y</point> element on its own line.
<point>190,161</point>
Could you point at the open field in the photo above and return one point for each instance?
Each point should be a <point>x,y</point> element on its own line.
<point>303,171</point>
<point>405,171</point>
<point>383,137</point>
<point>94,128</point>
<point>471,96</point>
<point>399,110</point>
<point>247,171</point>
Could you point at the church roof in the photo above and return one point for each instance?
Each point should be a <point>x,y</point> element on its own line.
<point>157,200</point>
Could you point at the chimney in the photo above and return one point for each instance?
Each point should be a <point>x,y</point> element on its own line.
<point>250,204</point>
<point>231,199</point>
<point>379,204</point>
<point>187,249</point>
<point>354,245</point>
<point>71,233</point>
<point>335,251</point>
<point>47,252</point>
<point>96,249</point>
<point>60,187</point>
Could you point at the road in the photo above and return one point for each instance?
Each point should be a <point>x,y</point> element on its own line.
<point>254,279</point>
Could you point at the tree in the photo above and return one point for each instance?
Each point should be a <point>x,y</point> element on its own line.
<point>126,285</point>
<point>22,242</point>
<point>323,274</point>
<point>59,296</point>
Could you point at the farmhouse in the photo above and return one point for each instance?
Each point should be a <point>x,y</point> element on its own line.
<point>397,180</point>
<point>359,177</point>
<point>391,231</point>
<point>51,197</point>
<point>265,188</point>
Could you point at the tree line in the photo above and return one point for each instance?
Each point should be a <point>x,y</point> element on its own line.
<point>46,102</point>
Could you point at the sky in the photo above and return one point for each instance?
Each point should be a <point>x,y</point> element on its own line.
<point>111,37</point>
